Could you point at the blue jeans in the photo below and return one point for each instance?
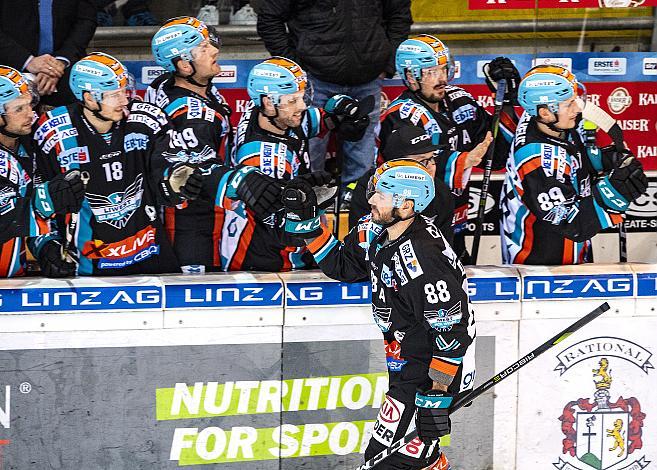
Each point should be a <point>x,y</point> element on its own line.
<point>359,157</point>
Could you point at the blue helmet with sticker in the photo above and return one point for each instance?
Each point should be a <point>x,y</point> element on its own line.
<point>548,85</point>
<point>274,77</point>
<point>97,73</point>
<point>12,85</point>
<point>421,52</point>
<point>403,178</point>
<point>177,38</point>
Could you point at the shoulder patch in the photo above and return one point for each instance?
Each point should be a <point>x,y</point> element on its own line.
<point>409,259</point>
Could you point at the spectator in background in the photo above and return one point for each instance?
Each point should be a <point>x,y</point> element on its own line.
<point>135,12</point>
<point>44,37</point>
<point>409,141</point>
<point>346,48</point>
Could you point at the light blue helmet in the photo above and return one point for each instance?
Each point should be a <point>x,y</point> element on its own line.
<point>403,178</point>
<point>177,38</point>
<point>97,73</point>
<point>548,85</point>
<point>12,85</point>
<point>421,52</point>
<point>274,77</point>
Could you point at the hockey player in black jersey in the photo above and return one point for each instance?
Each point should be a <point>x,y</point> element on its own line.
<point>451,116</point>
<point>558,193</point>
<point>26,202</point>
<point>272,135</point>
<point>188,50</point>
<point>419,301</point>
<point>119,147</point>
<point>410,141</point>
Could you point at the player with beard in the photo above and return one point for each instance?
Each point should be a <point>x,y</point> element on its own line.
<point>273,135</point>
<point>188,50</point>
<point>419,301</point>
<point>410,141</point>
<point>451,116</point>
<point>119,147</point>
<point>557,192</point>
<point>26,203</point>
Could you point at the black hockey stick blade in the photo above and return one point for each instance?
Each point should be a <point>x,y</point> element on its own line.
<point>490,383</point>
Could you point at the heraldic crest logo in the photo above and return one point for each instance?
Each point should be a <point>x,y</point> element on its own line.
<point>600,433</point>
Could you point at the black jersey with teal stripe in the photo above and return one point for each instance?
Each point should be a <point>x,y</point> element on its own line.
<point>119,230</point>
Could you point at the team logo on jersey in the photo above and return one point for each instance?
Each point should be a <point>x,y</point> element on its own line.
<point>567,210</point>
<point>117,208</point>
<point>193,158</point>
<point>394,361</point>
<point>444,319</point>
<point>601,433</point>
<point>399,335</point>
<point>382,317</point>
<point>410,260</point>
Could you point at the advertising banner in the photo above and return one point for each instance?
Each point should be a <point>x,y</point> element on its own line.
<point>587,404</point>
<point>309,404</point>
<point>532,4</point>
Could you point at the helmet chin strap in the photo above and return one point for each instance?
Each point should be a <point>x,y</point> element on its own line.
<point>552,125</point>
<point>272,120</point>
<point>396,218</point>
<point>5,132</point>
<point>96,113</point>
<point>190,78</point>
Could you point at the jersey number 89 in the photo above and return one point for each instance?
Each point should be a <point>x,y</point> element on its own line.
<point>554,197</point>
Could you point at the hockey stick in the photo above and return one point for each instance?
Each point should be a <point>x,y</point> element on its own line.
<point>71,228</point>
<point>604,121</point>
<point>483,195</point>
<point>490,383</point>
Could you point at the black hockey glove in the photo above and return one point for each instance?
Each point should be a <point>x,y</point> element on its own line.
<point>52,263</point>
<point>301,210</point>
<point>61,195</point>
<point>612,157</point>
<point>260,193</point>
<point>432,414</point>
<point>349,116</point>
<point>623,185</point>
<point>502,68</point>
